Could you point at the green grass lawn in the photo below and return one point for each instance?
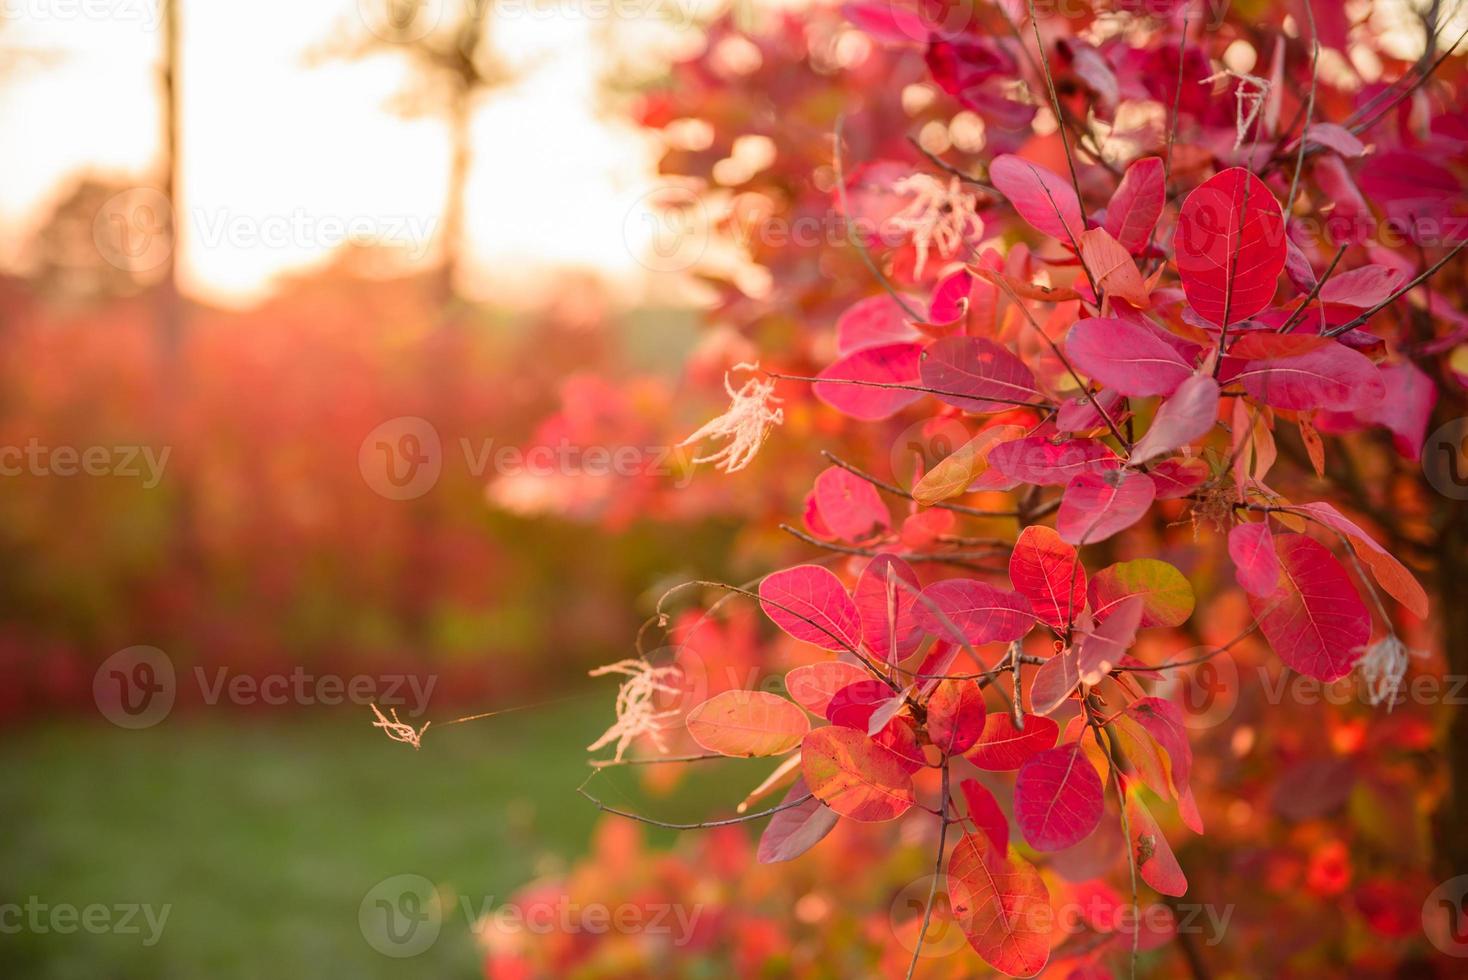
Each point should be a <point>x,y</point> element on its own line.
<point>264,837</point>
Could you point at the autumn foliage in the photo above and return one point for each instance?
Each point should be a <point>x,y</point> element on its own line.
<point>1156,321</point>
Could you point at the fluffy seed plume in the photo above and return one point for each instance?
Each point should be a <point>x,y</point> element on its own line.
<point>1250,97</point>
<point>746,423</point>
<point>941,215</point>
<point>637,712</point>
<point>1383,668</point>
<point>399,731</point>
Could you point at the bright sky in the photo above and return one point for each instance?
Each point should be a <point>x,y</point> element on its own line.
<point>281,156</point>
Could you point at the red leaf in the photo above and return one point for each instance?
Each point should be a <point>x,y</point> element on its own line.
<point>876,321</point>
<point>1002,906</point>
<point>1097,505</point>
<point>1332,377</point>
<point>1126,356</point>
<point>955,715</point>
<point>1164,722</point>
<point>1055,681</point>
<point>1256,566</point>
<point>854,705</point>
<point>1044,199</point>
<point>1103,648</point>
<point>888,364</point>
<point>1057,798</point>
<point>1046,571</point>
<point>790,833</point>
<point>1362,288</point>
<point>984,811</point>
<point>1038,461</point>
<point>979,612</point>
<point>747,724</point>
<point>813,685</point>
<point>850,506</point>
<point>855,776</point>
<point>976,375</point>
<point>1003,748</point>
<point>1179,477</point>
<point>885,594</point>
<point>1185,417</point>
<point>1137,204</point>
<point>1167,597</point>
<point>1389,573</point>
<point>1315,621</point>
<point>811,604</point>
<point>1230,246</point>
<point>1155,861</point>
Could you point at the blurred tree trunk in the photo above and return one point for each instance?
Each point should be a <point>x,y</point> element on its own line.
<point>1450,841</point>
<point>451,234</point>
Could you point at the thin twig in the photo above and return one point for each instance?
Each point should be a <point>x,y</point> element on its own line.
<point>897,491</point>
<point>851,235</point>
<point>917,951</point>
<point>1360,320</point>
<point>702,825</point>
<point>1299,311</point>
<point>1309,111</point>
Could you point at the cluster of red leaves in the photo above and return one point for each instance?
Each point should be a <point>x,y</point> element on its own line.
<point>1116,367</point>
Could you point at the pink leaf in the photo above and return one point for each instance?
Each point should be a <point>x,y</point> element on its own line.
<point>790,833</point>
<point>887,364</point>
<point>885,594</point>
<point>1097,505</point>
<point>1187,416</point>
<point>1003,748</point>
<point>979,612</point>
<point>1332,377</point>
<point>1126,356</point>
<point>850,506</point>
<point>1256,566</point>
<point>1230,246</point>
<point>955,715</point>
<point>984,811</point>
<point>876,321</point>
<point>1103,648</point>
<point>1361,288</point>
<point>1315,620</point>
<point>1334,137</point>
<point>1055,681</point>
<point>1057,798</point>
<point>1179,476</point>
<point>813,685</point>
<point>1046,571</point>
<point>1137,204</point>
<point>1044,199</point>
<point>1113,268</point>
<point>976,375</point>
<point>1037,460</point>
<point>810,604</point>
